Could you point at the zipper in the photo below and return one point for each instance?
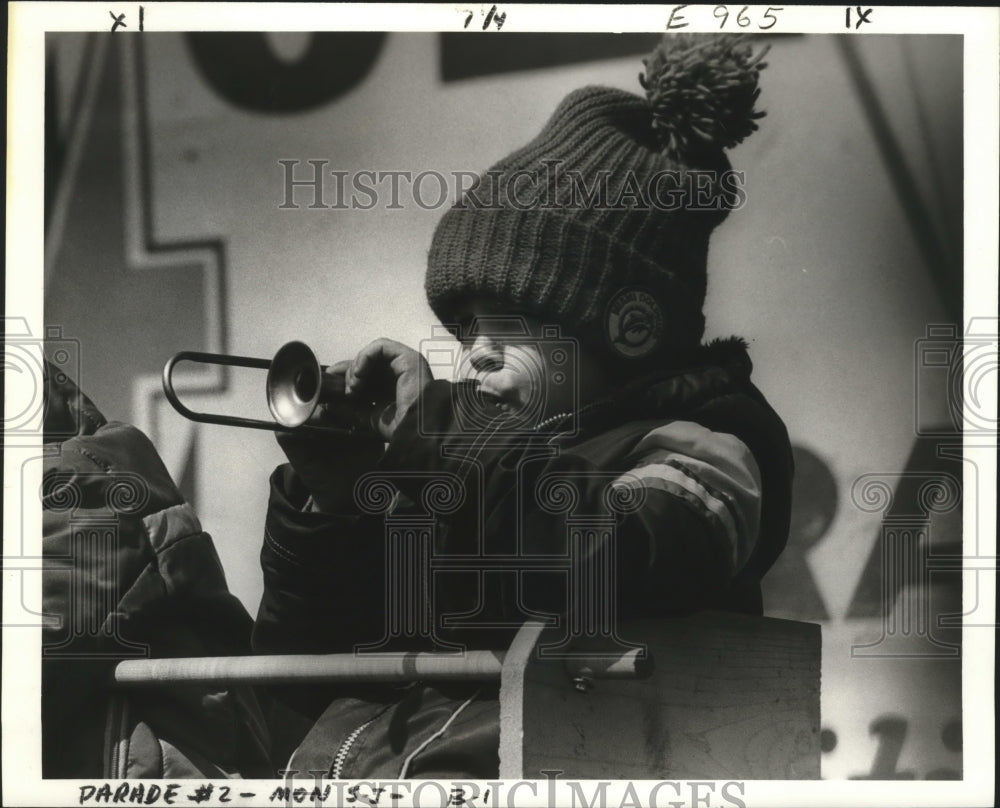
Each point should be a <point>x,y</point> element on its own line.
<point>116,736</point>
<point>555,419</point>
<point>581,413</point>
<point>338,760</point>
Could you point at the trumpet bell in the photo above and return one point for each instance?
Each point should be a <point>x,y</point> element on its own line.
<point>294,384</point>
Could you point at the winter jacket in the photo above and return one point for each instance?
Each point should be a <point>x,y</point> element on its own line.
<point>129,573</point>
<point>687,474</point>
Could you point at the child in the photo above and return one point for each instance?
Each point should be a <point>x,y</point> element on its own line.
<point>574,275</point>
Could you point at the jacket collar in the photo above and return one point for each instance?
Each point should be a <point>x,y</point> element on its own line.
<point>717,368</point>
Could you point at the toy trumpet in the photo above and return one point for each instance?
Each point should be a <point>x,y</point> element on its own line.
<point>301,395</point>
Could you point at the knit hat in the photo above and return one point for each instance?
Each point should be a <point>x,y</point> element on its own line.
<point>601,223</point>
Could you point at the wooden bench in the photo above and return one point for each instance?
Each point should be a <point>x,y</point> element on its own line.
<point>712,696</point>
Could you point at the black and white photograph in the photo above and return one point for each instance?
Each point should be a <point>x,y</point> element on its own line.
<point>499,406</point>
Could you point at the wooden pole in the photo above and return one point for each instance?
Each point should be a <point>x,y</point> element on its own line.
<point>311,669</point>
<point>371,667</point>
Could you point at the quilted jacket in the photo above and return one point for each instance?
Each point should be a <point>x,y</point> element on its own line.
<point>129,573</point>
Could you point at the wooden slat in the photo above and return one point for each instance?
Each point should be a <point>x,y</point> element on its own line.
<point>512,708</point>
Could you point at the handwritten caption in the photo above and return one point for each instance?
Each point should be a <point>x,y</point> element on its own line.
<point>734,17</point>
<point>363,794</point>
<point>118,20</point>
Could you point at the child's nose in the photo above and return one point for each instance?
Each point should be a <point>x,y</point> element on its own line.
<point>485,354</point>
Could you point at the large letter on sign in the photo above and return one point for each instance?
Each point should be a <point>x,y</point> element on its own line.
<point>246,72</point>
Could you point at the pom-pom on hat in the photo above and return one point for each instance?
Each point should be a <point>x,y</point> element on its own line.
<point>601,223</point>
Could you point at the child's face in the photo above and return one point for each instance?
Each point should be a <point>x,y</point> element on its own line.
<point>529,375</point>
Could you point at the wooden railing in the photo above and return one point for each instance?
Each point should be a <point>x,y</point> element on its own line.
<point>711,696</point>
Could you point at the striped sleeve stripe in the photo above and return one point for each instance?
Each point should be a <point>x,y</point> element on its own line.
<point>722,496</point>
<point>674,481</point>
<point>715,467</point>
<point>746,523</point>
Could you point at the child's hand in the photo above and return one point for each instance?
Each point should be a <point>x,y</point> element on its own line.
<point>389,369</point>
<point>329,464</point>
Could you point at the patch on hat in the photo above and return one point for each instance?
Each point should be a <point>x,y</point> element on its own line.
<point>634,323</point>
